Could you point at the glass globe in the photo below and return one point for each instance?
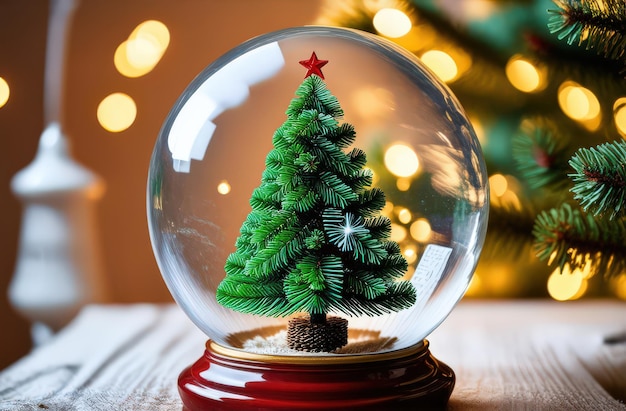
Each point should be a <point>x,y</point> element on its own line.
<point>211,155</point>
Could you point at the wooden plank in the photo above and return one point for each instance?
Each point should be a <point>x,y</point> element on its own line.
<point>534,355</point>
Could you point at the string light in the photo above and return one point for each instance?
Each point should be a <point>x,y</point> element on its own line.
<point>618,285</point>
<point>442,64</point>
<point>619,114</point>
<point>524,75</point>
<point>498,185</point>
<point>116,112</point>
<point>392,23</point>
<point>403,184</point>
<point>567,285</point>
<point>398,233</point>
<point>410,254</point>
<point>143,49</point>
<point>404,216</point>
<point>580,104</point>
<point>223,187</point>
<point>401,160</point>
<point>4,92</point>
<point>420,230</point>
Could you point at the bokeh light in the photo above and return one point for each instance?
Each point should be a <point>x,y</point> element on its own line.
<point>618,285</point>
<point>116,112</point>
<point>403,184</point>
<point>567,285</point>
<point>442,64</point>
<point>223,187</point>
<point>410,254</point>
<point>392,23</point>
<point>404,216</point>
<point>420,230</point>
<point>5,91</point>
<point>619,113</point>
<point>498,185</point>
<point>580,104</point>
<point>401,160</point>
<point>524,75</point>
<point>143,49</point>
<point>398,233</point>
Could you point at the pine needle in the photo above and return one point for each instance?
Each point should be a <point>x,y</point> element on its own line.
<point>600,179</point>
<point>566,237</point>
<point>541,155</point>
<point>598,25</point>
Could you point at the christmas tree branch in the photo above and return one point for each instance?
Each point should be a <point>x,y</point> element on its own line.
<point>566,237</point>
<point>541,154</point>
<point>600,178</point>
<point>598,25</point>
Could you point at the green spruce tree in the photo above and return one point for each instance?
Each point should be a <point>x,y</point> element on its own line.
<point>315,241</point>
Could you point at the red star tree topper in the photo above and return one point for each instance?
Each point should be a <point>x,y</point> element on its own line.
<point>314,66</point>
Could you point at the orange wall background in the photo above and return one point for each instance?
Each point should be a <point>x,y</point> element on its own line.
<point>200,31</point>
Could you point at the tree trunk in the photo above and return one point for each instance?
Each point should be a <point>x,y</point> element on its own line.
<point>317,333</point>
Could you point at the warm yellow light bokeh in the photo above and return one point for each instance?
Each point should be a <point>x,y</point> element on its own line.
<point>498,185</point>
<point>567,285</point>
<point>618,284</point>
<point>420,230</point>
<point>5,91</point>
<point>525,76</point>
<point>619,113</point>
<point>143,49</point>
<point>410,254</point>
<point>404,216</point>
<point>398,233</point>
<point>223,187</point>
<point>116,112</point>
<point>392,22</point>
<point>401,160</point>
<point>577,102</point>
<point>403,184</point>
<point>153,30</point>
<point>442,64</point>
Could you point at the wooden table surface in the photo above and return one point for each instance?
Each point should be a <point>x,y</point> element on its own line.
<point>507,355</point>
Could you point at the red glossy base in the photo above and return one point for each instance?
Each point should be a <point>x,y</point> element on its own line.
<point>406,379</point>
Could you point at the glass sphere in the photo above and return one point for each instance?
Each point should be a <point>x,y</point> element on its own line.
<point>421,149</point>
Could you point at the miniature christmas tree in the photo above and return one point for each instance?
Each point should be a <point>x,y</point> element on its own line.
<point>315,241</point>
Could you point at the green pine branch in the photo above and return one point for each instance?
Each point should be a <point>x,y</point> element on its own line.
<point>600,179</point>
<point>566,237</point>
<point>541,155</point>
<point>599,25</point>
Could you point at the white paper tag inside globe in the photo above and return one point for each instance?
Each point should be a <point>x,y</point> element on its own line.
<point>429,271</point>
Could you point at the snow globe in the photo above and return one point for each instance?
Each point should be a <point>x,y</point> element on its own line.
<point>317,203</point>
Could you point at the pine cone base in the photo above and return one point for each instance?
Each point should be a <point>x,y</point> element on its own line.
<point>302,335</point>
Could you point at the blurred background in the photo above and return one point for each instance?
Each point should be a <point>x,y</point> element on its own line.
<point>532,98</point>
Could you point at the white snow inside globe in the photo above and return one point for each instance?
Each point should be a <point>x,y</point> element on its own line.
<point>317,173</point>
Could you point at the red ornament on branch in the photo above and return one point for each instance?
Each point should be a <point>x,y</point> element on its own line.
<point>314,66</point>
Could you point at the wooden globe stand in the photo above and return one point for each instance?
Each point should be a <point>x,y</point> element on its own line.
<point>233,380</point>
